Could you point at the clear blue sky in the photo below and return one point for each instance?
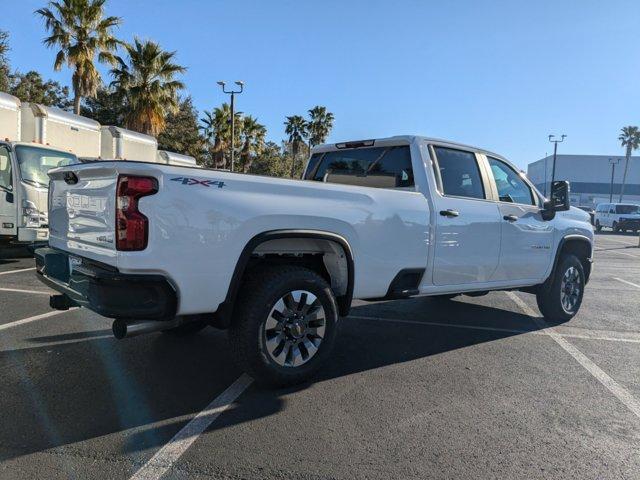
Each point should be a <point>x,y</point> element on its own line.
<point>500,74</point>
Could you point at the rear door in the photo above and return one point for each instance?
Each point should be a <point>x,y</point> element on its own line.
<point>611,215</point>
<point>467,237</point>
<point>526,239</point>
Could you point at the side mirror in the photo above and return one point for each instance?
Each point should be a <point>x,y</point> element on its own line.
<point>558,201</point>
<point>560,196</point>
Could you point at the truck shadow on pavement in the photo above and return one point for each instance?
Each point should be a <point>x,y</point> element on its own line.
<point>12,254</point>
<point>126,396</point>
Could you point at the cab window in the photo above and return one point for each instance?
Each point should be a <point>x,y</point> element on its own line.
<point>459,173</point>
<point>510,185</point>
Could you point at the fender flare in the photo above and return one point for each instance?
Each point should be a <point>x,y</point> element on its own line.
<point>561,244</point>
<point>224,314</point>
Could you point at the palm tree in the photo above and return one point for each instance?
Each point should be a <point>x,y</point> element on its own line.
<point>253,135</point>
<point>216,127</point>
<point>81,32</point>
<point>630,138</point>
<point>149,85</point>
<point>296,128</point>
<point>320,125</point>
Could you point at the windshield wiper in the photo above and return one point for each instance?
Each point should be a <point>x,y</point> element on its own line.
<point>34,183</point>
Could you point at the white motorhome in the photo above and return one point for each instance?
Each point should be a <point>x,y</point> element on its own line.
<point>24,164</point>
<point>122,144</point>
<point>173,158</point>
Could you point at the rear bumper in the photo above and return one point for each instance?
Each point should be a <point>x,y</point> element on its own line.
<point>104,289</point>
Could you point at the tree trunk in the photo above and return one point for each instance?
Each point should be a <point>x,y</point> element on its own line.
<point>624,176</point>
<point>76,104</point>
<point>294,149</point>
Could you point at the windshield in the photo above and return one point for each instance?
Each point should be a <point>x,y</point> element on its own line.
<point>627,209</point>
<point>35,162</point>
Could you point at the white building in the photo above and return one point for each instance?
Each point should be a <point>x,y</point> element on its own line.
<point>590,177</point>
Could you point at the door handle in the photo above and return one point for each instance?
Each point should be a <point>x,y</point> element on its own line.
<point>510,218</point>
<point>449,213</point>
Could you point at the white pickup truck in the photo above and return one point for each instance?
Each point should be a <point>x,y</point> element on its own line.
<point>277,262</point>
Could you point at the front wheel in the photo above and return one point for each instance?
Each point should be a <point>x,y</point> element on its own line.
<point>598,226</point>
<point>284,325</point>
<point>559,299</point>
<point>615,227</point>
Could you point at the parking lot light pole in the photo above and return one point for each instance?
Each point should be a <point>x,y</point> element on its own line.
<point>553,139</point>
<point>613,162</point>
<point>233,116</point>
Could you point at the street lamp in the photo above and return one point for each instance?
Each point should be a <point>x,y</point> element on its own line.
<point>233,117</point>
<point>555,141</point>
<point>613,163</point>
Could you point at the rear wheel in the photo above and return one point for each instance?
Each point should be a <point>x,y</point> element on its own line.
<point>284,325</point>
<point>559,299</point>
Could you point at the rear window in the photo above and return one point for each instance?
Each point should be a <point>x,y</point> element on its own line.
<point>379,167</point>
<point>627,209</point>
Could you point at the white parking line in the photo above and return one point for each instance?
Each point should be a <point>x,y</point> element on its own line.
<point>33,319</point>
<point>19,290</point>
<point>17,271</point>
<point>627,282</point>
<point>609,383</point>
<point>172,451</point>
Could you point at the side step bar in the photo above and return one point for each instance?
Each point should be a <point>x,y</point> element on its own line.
<point>125,328</point>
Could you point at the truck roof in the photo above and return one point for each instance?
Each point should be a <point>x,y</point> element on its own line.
<point>402,140</point>
<point>62,116</point>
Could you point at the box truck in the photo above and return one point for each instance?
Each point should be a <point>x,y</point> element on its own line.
<point>24,184</point>
<point>58,128</point>
<point>122,144</point>
<point>173,158</point>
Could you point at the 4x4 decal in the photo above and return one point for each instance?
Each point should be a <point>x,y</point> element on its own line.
<point>196,181</point>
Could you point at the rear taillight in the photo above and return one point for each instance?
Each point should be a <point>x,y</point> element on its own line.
<point>132,227</point>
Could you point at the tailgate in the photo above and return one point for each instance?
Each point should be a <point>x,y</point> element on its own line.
<point>82,211</point>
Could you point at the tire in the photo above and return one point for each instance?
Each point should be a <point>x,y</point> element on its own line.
<point>598,226</point>
<point>186,330</point>
<point>614,227</point>
<point>277,333</point>
<point>558,302</point>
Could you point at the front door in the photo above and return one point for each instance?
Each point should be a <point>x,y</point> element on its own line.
<point>467,237</point>
<point>8,208</point>
<point>526,238</point>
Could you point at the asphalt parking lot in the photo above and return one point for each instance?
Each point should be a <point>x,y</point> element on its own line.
<point>468,388</point>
